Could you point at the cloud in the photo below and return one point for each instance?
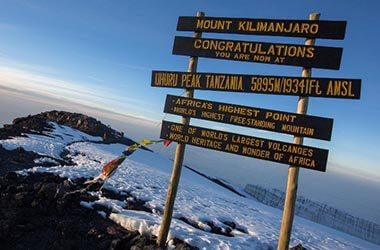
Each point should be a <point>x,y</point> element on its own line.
<point>347,170</point>
<point>36,81</point>
<point>5,59</point>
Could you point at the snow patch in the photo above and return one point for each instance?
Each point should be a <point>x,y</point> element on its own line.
<point>51,143</point>
<point>145,176</point>
<point>43,160</point>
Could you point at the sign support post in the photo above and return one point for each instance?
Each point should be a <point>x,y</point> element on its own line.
<point>293,172</point>
<point>178,160</point>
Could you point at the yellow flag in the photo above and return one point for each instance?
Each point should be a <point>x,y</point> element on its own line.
<point>145,142</point>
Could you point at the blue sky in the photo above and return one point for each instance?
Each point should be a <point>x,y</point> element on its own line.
<point>101,54</point>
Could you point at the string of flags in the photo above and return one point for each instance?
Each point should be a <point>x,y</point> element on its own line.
<point>110,167</point>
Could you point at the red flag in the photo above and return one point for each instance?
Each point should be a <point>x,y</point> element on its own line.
<point>167,143</point>
<point>110,167</point>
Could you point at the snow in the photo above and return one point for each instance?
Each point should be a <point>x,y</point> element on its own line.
<point>103,214</point>
<point>320,213</point>
<point>52,143</point>
<point>143,222</point>
<point>145,175</point>
<point>45,160</point>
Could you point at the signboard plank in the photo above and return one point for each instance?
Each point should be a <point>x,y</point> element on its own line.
<point>251,117</point>
<point>255,147</point>
<point>271,27</point>
<point>248,51</point>
<point>276,85</point>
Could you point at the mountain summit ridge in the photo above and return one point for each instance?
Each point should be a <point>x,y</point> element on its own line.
<point>49,197</point>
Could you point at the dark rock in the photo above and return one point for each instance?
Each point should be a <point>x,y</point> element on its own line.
<point>67,184</point>
<point>85,124</point>
<point>20,150</point>
<point>17,159</point>
<point>184,219</point>
<point>114,195</point>
<point>48,191</point>
<point>297,247</point>
<point>43,211</point>
<point>11,176</point>
<point>231,224</point>
<point>11,189</point>
<point>35,203</point>
<point>102,208</point>
<point>37,186</point>
<point>133,240</point>
<point>218,230</point>
<point>180,245</point>
<point>22,198</point>
<point>30,124</point>
<point>42,216</point>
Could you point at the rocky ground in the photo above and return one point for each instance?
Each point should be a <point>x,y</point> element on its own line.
<point>43,211</point>
<point>35,124</point>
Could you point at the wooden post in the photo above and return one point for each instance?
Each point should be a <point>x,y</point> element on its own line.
<point>178,160</point>
<point>291,189</point>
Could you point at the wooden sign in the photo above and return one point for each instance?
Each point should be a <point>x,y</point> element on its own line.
<point>272,53</point>
<point>276,85</point>
<point>251,117</point>
<point>255,147</point>
<point>271,27</point>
